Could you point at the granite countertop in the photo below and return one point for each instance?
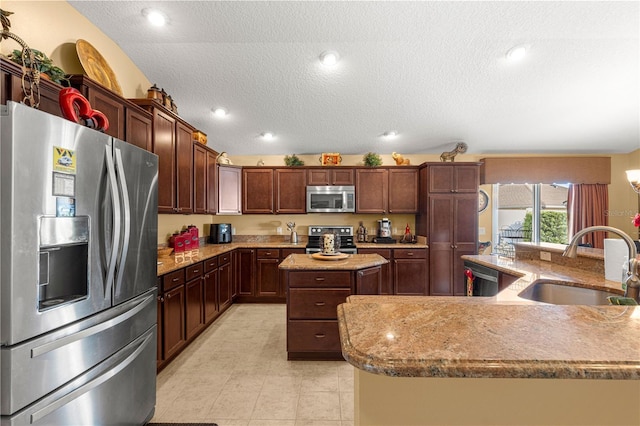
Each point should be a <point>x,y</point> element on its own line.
<point>180,260</point>
<point>353,262</point>
<point>494,337</point>
<point>176,261</point>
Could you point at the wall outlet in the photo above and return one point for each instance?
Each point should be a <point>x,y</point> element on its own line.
<point>279,230</point>
<point>233,230</point>
<point>481,230</point>
<point>545,255</point>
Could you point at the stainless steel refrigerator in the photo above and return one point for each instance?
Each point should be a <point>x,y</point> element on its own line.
<point>78,227</point>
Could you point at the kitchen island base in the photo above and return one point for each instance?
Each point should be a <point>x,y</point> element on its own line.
<point>384,400</point>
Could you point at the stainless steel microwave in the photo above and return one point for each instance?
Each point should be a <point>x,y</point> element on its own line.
<point>331,199</point>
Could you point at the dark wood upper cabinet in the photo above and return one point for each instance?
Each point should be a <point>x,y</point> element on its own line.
<point>403,190</point>
<point>257,190</point>
<point>11,88</point>
<point>127,121</point>
<point>330,176</point>
<point>204,179</point>
<point>173,144</point>
<point>453,178</point>
<point>290,191</point>
<point>372,190</point>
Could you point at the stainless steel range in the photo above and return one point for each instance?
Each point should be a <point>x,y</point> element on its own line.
<point>347,244</point>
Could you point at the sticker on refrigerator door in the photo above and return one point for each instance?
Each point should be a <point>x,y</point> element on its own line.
<point>64,160</point>
<point>64,185</point>
<point>65,207</point>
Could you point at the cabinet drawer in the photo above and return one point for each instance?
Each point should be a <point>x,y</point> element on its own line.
<point>320,279</point>
<point>172,279</point>
<point>224,258</point>
<point>386,253</point>
<point>315,303</point>
<point>210,264</point>
<point>409,254</point>
<point>268,253</point>
<point>313,336</point>
<point>194,271</point>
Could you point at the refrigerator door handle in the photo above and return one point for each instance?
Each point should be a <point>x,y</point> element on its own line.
<point>126,233</point>
<point>76,393</point>
<point>115,240</point>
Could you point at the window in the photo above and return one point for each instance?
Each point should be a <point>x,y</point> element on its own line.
<point>529,212</point>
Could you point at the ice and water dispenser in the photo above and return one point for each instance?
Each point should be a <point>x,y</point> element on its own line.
<point>63,260</point>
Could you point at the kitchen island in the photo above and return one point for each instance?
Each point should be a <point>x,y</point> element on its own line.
<point>493,360</point>
<point>315,288</point>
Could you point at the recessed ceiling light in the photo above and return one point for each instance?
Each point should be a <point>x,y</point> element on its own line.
<point>267,136</point>
<point>329,58</point>
<point>220,112</point>
<point>516,53</point>
<point>390,134</point>
<point>155,17</point>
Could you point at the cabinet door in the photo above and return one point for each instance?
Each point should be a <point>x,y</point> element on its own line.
<point>403,191</point>
<point>290,191</point>
<point>465,237</point>
<point>194,317</point>
<point>386,276</point>
<point>212,183</point>
<point>369,281</point>
<point>210,290</point>
<point>372,189</point>
<point>225,277</point>
<point>467,178</point>
<point>318,177</point>
<point>160,331</point>
<point>229,190</point>
<point>267,277</point>
<point>441,179</point>
<point>164,146</point>
<point>199,179</point>
<point>138,128</point>
<point>173,321</point>
<point>246,272</point>
<point>184,164</point>
<point>410,272</point>
<point>441,244</point>
<point>112,108</point>
<point>342,176</point>
<point>257,190</point>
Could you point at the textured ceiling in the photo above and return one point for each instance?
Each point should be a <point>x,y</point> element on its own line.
<point>433,71</point>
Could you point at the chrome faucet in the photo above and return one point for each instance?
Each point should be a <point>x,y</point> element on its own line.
<point>632,283</point>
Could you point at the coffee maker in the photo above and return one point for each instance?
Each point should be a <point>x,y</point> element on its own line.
<point>384,228</point>
<point>220,233</point>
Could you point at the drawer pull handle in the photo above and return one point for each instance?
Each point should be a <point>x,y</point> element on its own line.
<point>320,303</point>
<point>319,279</point>
<point>410,254</point>
<point>175,279</point>
<point>195,271</point>
<point>268,253</point>
<point>320,336</point>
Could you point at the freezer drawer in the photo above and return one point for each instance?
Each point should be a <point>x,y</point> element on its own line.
<point>37,367</point>
<point>118,391</point>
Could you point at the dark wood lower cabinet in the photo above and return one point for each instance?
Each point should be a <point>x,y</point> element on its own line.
<point>410,272</point>
<point>386,279</point>
<point>194,318</point>
<point>173,322</point>
<point>225,280</point>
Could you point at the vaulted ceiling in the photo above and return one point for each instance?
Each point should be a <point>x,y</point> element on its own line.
<point>433,71</point>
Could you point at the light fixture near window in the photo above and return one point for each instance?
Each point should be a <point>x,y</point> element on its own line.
<point>633,176</point>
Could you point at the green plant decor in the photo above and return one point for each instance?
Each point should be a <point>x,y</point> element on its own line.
<point>372,159</point>
<point>293,160</point>
<point>43,64</point>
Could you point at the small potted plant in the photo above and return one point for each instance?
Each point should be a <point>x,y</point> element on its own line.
<point>43,64</point>
<point>371,159</point>
<point>293,160</point>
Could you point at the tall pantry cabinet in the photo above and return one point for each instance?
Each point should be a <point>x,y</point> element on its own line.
<point>448,216</point>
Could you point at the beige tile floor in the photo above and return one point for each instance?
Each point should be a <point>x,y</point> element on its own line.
<point>236,373</point>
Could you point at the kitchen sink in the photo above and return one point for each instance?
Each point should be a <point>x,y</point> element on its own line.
<point>562,294</point>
